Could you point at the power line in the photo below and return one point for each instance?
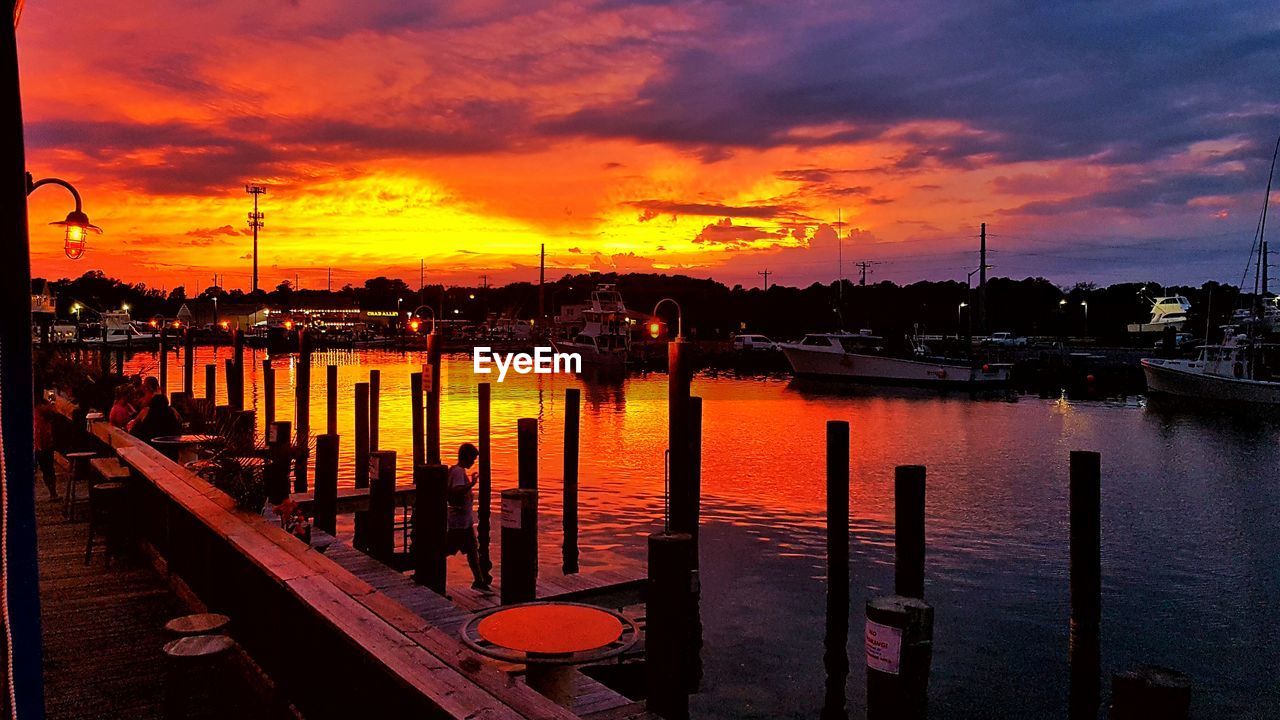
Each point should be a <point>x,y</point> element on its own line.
<point>766,273</point>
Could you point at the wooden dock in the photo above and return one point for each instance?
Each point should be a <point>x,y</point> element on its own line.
<point>103,629</point>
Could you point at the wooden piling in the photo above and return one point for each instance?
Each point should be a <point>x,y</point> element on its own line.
<point>164,361</point>
<point>302,410</point>
<point>268,392</point>
<point>430,525</point>
<point>899,653</point>
<point>325,508</point>
<point>519,569</point>
<point>211,383</point>
<point>1086,583</point>
<point>668,631</point>
<point>361,447</point>
<point>695,469</point>
<point>836,646</point>
<point>909,544</point>
<point>229,372</point>
<point>434,390</point>
<point>382,505</point>
<point>417,421</point>
<point>684,518</point>
<point>331,399</point>
<point>276,472</point>
<point>1150,692</point>
<point>188,363</point>
<point>375,407</point>
<point>484,494</point>
<point>236,399</point>
<point>569,549</point>
<point>527,453</point>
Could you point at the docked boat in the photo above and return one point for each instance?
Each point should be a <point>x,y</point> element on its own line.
<point>1167,311</point>
<point>862,357</point>
<point>1239,371</point>
<point>604,338</point>
<point>117,329</point>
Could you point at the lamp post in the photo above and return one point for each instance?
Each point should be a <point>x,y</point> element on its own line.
<point>414,315</point>
<point>959,309</point>
<point>655,323</point>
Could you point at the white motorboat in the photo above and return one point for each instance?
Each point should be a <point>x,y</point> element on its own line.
<point>1239,371</point>
<point>1166,311</point>
<point>117,329</point>
<point>605,336</point>
<point>861,357</point>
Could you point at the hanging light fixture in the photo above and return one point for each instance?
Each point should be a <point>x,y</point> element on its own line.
<point>77,223</point>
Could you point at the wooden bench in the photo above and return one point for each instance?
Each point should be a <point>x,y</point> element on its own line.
<point>109,468</point>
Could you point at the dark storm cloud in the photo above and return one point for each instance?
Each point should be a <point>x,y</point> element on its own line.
<point>1037,81</point>
<point>654,208</point>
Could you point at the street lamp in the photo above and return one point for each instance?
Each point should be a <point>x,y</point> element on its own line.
<point>413,315</point>
<point>655,323</point>
<point>960,308</point>
<point>77,223</point>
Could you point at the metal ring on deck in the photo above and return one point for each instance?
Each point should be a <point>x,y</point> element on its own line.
<point>627,637</point>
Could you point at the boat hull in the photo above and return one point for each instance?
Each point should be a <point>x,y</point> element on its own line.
<point>590,355</point>
<point>1165,377</point>
<point>882,370</point>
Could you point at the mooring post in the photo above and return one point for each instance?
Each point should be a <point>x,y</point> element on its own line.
<point>164,361</point>
<point>669,631</point>
<point>1149,691</point>
<point>211,383</point>
<point>485,489</point>
<point>361,448</point>
<point>268,392</point>
<point>695,469</point>
<point>276,472</point>
<point>908,529</point>
<point>416,421</point>
<point>302,409</point>
<point>188,362</point>
<point>684,517</point>
<point>331,399</point>
<point>519,569</point>
<point>430,525</point>
<point>237,400</point>
<point>899,650</point>
<point>435,345</point>
<point>229,371</point>
<point>527,453</point>
<point>382,505</point>
<point>1086,583</point>
<point>375,407</point>
<point>836,651</point>
<point>325,505</point>
<point>569,549</point>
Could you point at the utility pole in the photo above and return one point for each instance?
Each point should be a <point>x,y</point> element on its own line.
<point>542,274</point>
<point>839,257</point>
<point>766,273</point>
<point>982,281</point>
<point>255,222</point>
<point>330,283</point>
<point>484,282</point>
<point>862,270</point>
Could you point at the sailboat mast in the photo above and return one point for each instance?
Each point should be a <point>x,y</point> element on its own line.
<point>1262,232</point>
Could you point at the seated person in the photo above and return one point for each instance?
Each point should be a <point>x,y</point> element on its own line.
<point>157,419</point>
<point>122,410</point>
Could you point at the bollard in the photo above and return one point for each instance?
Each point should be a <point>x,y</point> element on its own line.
<point>670,610</point>
<point>1150,692</point>
<point>569,549</point>
<point>908,514</point>
<point>899,652</point>
<point>416,421</point>
<point>164,361</point>
<point>189,363</point>
<point>434,390</point>
<point>527,453</point>
<point>331,400</point>
<point>381,520</point>
<point>275,476</point>
<point>682,509</point>
<point>268,392</point>
<point>835,657</point>
<point>211,383</point>
<point>484,495</point>
<point>430,526</point>
<point>325,505</point>
<point>302,410</point>
<point>519,569</point>
<point>361,447</point>
<point>375,407</point>
<point>1086,584</point>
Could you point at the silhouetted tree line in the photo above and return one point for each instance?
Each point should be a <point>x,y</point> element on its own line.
<point>1032,306</point>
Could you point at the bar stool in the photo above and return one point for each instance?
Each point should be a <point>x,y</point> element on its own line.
<point>197,675</point>
<point>198,624</point>
<point>79,473</point>
<point>106,510</point>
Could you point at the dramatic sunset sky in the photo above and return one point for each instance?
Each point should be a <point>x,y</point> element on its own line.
<point>1099,142</point>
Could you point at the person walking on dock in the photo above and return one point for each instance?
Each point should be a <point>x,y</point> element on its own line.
<point>462,518</point>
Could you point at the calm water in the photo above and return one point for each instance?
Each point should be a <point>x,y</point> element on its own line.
<point>1191,526</point>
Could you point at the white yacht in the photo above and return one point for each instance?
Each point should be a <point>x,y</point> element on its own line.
<point>605,335</point>
<point>118,329</point>
<point>861,357</point>
<point>1239,371</point>
<point>1167,311</point>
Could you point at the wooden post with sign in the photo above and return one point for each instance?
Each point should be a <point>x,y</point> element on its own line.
<point>899,654</point>
<point>519,568</point>
<point>276,472</point>
<point>382,505</point>
<point>325,508</point>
